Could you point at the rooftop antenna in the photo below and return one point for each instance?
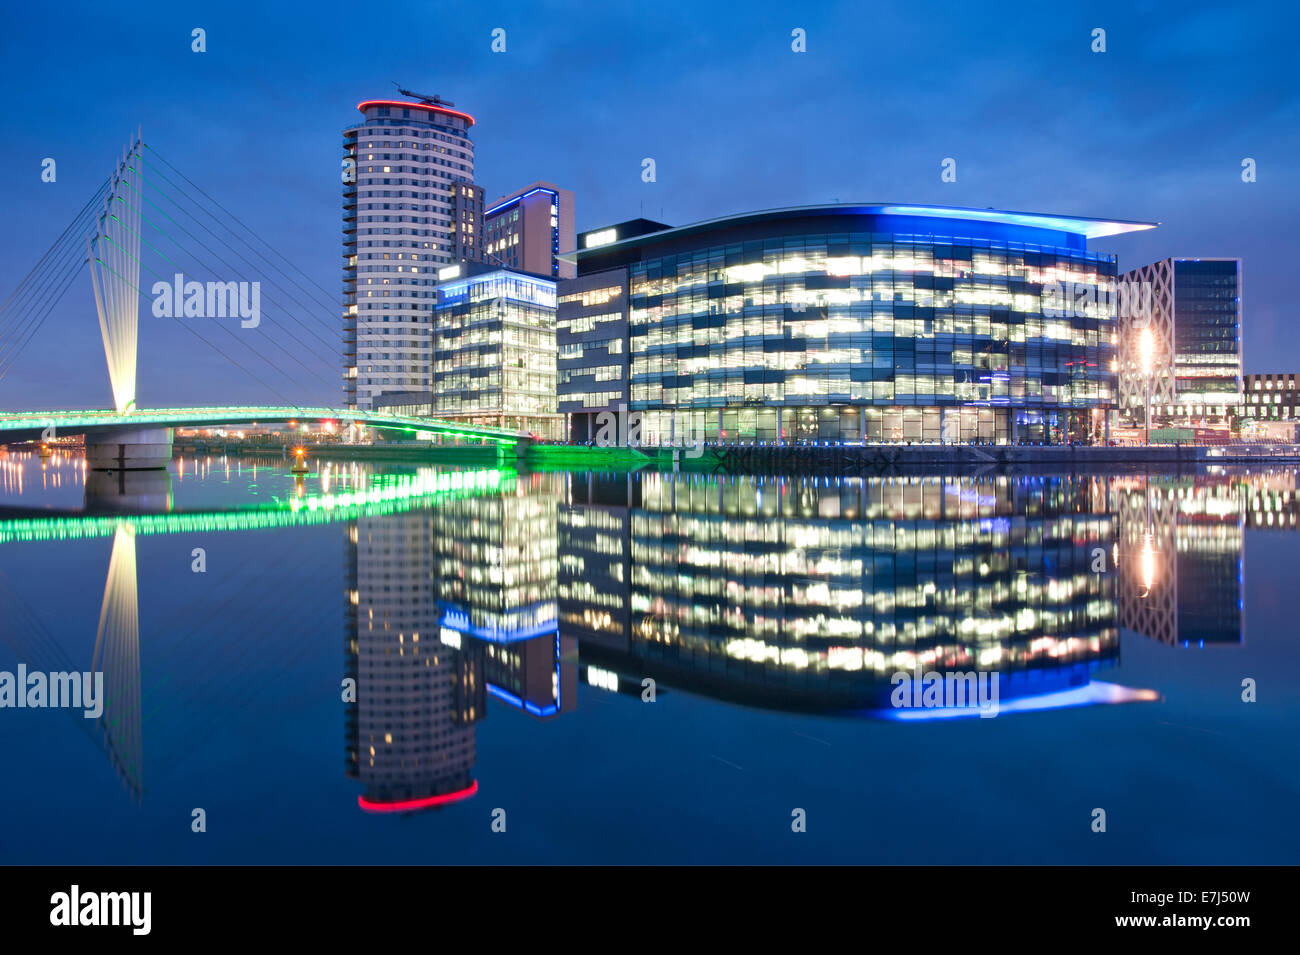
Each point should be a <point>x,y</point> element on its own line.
<point>427,100</point>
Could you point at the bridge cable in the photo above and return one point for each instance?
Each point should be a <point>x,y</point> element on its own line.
<point>329,296</point>
<point>36,319</point>
<point>31,308</point>
<point>69,231</point>
<point>212,346</point>
<point>249,345</point>
<point>327,343</point>
<point>206,266</point>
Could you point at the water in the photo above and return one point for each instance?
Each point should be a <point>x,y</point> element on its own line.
<point>499,626</point>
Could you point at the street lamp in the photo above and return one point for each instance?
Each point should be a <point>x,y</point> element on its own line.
<point>1146,349</point>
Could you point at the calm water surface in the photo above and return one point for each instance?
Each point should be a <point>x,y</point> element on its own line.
<point>499,627</point>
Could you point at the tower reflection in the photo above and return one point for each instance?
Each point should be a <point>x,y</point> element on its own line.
<point>410,732</point>
<point>1181,557</point>
<point>446,607</point>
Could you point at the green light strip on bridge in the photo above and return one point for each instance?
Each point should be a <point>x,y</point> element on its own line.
<point>393,494</point>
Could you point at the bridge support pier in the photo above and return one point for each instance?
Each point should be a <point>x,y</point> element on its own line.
<point>514,455</point>
<point>129,449</point>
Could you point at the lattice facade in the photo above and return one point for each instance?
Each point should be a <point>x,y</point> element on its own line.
<point>1159,317</point>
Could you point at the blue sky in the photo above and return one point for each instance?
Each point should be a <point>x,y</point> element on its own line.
<point>1154,128</point>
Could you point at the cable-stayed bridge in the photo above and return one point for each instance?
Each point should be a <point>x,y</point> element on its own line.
<point>149,217</point>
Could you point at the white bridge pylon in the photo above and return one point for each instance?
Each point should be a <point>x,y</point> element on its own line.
<point>114,255</point>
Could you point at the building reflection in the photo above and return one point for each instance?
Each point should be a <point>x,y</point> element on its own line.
<point>445,608</point>
<point>410,733</point>
<point>495,564</point>
<point>1272,502</point>
<point>1181,557</point>
<point>128,492</point>
<point>785,593</point>
<point>811,593</point>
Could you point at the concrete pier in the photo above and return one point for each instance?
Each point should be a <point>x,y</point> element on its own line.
<point>134,449</point>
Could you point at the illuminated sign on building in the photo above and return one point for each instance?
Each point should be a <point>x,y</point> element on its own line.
<point>604,237</point>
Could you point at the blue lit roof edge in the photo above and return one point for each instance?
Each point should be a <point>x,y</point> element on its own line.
<point>504,203</point>
<point>1089,228</point>
<point>535,278</point>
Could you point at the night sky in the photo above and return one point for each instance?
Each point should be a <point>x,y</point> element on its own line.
<point>1155,128</point>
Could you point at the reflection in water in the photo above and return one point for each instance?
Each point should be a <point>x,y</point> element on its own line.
<point>117,655</point>
<point>805,594</point>
<point>410,734</point>
<point>1181,560</point>
<point>782,593</point>
<point>811,594</point>
<point>446,607</point>
<point>128,492</point>
<point>496,582</point>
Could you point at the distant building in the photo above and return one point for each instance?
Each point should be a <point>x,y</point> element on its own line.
<point>1270,409</point>
<point>407,162</point>
<point>494,350</point>
<point>1271,397</point>
<point>1195,376</point>
<point>530,229</point>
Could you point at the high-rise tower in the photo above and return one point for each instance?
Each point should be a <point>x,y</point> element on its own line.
<point>402,166</point>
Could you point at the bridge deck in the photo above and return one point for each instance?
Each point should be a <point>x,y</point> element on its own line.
<point>26,425</point>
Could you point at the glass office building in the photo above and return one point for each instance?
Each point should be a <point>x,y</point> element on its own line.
<point>591,325</point>
<point>853,323</point>
<point>494,350</point>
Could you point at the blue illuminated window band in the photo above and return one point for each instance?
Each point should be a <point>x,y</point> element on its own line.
<point>509,202</point>
<point>459,621</point>
<point>550,709</point>
<point>1093,694</point>
<point>456,291</point>
<point>895,219</point>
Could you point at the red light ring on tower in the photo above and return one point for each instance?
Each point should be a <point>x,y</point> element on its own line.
<point>410,805</point>
<point>363,106</point>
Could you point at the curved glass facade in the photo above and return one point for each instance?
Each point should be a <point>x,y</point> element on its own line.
<point>843,327</point>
